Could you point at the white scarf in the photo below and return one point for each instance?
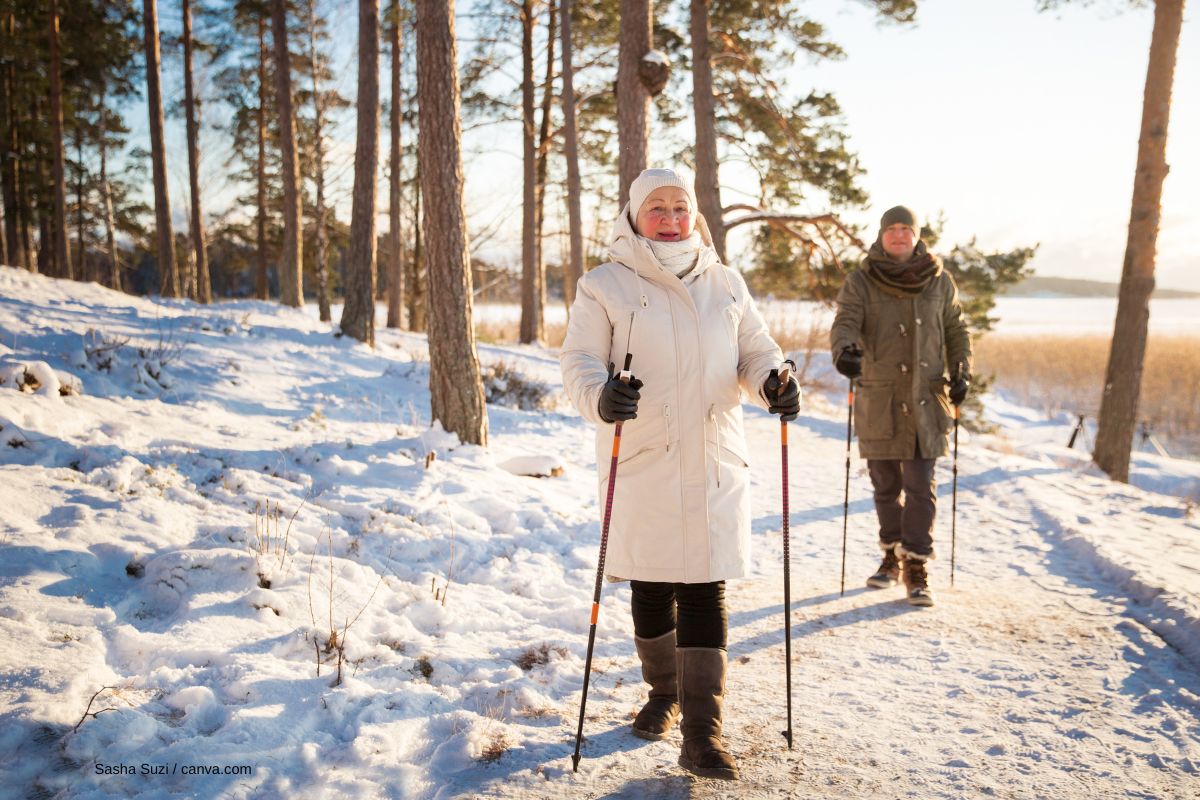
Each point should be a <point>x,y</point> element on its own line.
<point>678,258</point>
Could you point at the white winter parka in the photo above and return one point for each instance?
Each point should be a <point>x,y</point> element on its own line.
<point>681,509</point>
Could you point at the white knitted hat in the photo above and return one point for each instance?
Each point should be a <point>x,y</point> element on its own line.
<point>652,179</point>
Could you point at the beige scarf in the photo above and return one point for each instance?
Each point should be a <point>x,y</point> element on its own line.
<point>678,258</point>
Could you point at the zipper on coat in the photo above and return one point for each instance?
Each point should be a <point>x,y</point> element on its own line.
<point>712,415</point>
<point>667,423</point>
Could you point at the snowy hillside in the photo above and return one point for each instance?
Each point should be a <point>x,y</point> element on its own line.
<point>204,511</point>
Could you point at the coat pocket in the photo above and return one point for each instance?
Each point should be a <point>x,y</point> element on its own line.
<point>873,410</point>
<point>938,388</point>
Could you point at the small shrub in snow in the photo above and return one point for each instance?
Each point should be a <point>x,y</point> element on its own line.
<point>505,386</point>
<point>270,545</point>
<point>538,655</point>
<point>423,667</point>
<point>38,377</point>
<point>100,351</point>
<point>335,640</point>
<point>103,353</point>
<point>497,745</point>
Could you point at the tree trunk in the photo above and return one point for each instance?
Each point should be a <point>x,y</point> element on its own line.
<point>110,240</point>
<point>322,266</point>
<point>62,254</point>
<point>395,318</point>
<point>25,203</point>
<point>41,190</point>
<point>358,314</point>
<point>291,262</point>
<point>708,186</point>
<point>9,149</point>
<point>262,284</point>
<point>417,319</point>
<point>199,246</point>
<point>455,390</point>
<point>80,270</point>
<point>1123,377</point>
<point>531,316</point>
<point>168,272</point>
<point>633,99</point>
<point>539,186</point>
<point>574,270</point>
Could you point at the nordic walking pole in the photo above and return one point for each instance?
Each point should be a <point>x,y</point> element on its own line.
<point>625,376</point>
<point>846,496</point>
<point>954,485</point>
<point>954,499</point>
<point>785,374</point>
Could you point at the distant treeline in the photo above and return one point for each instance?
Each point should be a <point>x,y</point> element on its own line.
<point>1076,287</point>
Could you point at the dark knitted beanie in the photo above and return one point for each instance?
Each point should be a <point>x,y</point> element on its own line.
<point>900,215</point>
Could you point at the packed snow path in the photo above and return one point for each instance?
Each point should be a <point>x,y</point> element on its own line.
<point>1031,678</point>
<point>1062,665</point>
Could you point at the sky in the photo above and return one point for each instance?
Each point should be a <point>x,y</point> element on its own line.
<point>1019,127</point>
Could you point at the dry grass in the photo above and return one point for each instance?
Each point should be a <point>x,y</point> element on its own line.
<point>802,339</point>
<point>1066,373</point>
<point>509,333</point>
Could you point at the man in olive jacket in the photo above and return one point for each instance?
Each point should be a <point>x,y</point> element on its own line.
<point>899,333</point>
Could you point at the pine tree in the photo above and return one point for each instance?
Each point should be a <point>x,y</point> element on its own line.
<point>574,269</point>
<point>167,269</point>
<point>395,270</point>
<point>358,314</point>
<point>191,111</point>
<point>61,252</point>
<point>1123,375</point>
<point>291,269</point>
<point>455,389</point>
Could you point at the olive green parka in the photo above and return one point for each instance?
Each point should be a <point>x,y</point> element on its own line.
<point>910,345</point>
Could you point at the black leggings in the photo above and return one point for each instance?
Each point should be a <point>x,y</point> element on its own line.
<point>700,607</point>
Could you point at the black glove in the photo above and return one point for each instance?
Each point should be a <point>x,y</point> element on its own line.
<point>784,400</point>
<point>618,400</point>
<point>849,362</point>
<point>958,389</point>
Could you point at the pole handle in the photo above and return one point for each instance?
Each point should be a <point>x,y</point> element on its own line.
<point>625,375</point>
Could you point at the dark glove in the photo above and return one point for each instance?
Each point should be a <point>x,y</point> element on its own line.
<point>784,399</point>
<point>958,389</point>
<point>618,400</point>
<point>849,362</point>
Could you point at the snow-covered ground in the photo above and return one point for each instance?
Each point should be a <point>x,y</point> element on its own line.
<point>225,486</point>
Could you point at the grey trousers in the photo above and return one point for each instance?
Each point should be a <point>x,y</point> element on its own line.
<point>907,520</point>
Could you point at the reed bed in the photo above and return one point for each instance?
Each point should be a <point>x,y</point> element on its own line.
<point>1056,373</point>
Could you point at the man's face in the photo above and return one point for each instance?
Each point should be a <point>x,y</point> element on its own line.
<point>665,215</point>
<point>899,241</point>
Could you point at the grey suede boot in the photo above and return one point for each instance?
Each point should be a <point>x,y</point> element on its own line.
<point>658,716</point>
<point>701,690</point>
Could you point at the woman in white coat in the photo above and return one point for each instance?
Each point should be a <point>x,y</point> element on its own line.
<point>680,522</point>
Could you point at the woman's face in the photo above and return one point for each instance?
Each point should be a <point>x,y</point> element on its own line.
<point>665,215</point>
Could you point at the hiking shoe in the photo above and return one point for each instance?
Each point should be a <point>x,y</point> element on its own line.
<point>888,573</point>
<point>917,581</point>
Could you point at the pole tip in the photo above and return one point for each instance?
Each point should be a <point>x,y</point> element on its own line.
<point>575,763</point>
<point>787,735</point>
